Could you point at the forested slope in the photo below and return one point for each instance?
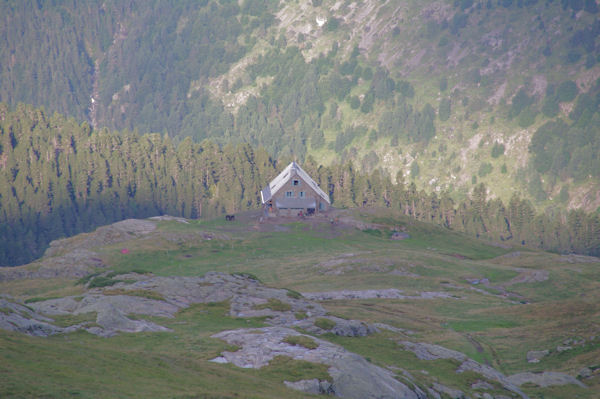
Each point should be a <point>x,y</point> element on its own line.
<point>59,178</point>
<point>449,93</point>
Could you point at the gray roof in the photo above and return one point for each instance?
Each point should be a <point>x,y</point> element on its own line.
<point>293,169</point>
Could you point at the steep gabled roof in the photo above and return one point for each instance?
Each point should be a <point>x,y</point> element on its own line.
<point>290,171</point>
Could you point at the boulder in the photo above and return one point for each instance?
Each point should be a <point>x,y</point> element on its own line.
<point>313,386</point>
<point>585,372</point>
<point>544,379</point>
<point>427,351</point>
<point>19,318</point>
<point>536,356</point>
<point>112,320</point>
<point>450,392</point>
<point>352,375</point>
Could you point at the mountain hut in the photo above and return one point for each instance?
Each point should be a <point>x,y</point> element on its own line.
<point>293,192</point>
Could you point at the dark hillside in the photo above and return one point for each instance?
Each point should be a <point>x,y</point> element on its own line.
<point>449,94</point>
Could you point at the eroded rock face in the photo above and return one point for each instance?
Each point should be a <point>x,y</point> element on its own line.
<point>74,257</point>
<point>545,379</point>
<point>313,386</point>
<point>389,293</point>
<point>112,319</point>
<point>247,297</point>
<point>353,376</point>
<point>74,264</point>
<point>426,351</point>
<point>19,318</point>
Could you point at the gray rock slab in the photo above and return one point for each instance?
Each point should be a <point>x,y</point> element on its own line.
<point>389,293</point>
<point>342,327</point>
<point>99,303</point>
<point>427,351</point>
<point>450,392</point>
<point>545,379</point>
<point>170,218</point>
<point>113,320</point>
<point>314,386</point>
<point>19,318</point>
<point>536,356</point>
<point>353,376</point>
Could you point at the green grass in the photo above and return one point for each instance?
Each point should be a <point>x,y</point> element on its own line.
<point>88,319</point>
<point>143,365</point>
<point>492,329</point>
<point>301,340</point>
<point>102,281</point>
<point>300,315</point>
<point>40,299</point>
<point>294,294</point>
<point>274,304</point>
<point>480,325</point>
<point>324,324</point>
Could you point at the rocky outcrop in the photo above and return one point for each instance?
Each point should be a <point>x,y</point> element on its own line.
<point>170,219</point>
<point>341,327</point>
<point>75,257</point>
<point>20,318</point>
<point>536,356</point>
<point>352,375</point>
<point>313,386</point>
<point>111,310</point>
<point>113,320</point>
<point>426,351</point>
<point>115,233</point>
<point>74,264</point>
<point>247,297</point>
<point>389,293</point>
<point>545,379</point>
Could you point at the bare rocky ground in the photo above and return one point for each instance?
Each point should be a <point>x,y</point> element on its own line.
<point>76,257</point>
<point>352,375</point>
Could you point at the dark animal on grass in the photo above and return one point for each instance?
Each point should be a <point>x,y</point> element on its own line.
<point>230,218</point>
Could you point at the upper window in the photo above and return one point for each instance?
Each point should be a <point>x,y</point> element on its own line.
<point>289,194</point>
<point>295,182</point>
<point>301,194</point>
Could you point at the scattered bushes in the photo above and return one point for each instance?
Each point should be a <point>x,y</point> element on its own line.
<point>444,109</point>
<point>497,150</point>
<point>567,91</point>
<point>274,304</point>
<point>294,294</point>
<point>485,169</point>
<point>141,293</point>
<point>324,324</point>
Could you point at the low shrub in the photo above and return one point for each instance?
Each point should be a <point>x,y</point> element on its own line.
<point>301,340</point>
<point>324,324</point>
<point>275,304</point>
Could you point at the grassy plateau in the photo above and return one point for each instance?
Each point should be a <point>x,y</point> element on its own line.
<point>498,304</point>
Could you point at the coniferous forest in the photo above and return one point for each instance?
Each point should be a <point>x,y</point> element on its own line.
<point>59,177</point>
<point>364,86</point>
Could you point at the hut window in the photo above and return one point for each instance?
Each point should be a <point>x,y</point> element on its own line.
<point>289,194</point>
<point>301,194</point>
<point>296,182</point>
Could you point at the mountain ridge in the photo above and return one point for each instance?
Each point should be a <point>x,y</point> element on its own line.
<point>403,85</point>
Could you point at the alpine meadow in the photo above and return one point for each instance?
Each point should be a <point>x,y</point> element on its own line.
<point>300,198</point>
